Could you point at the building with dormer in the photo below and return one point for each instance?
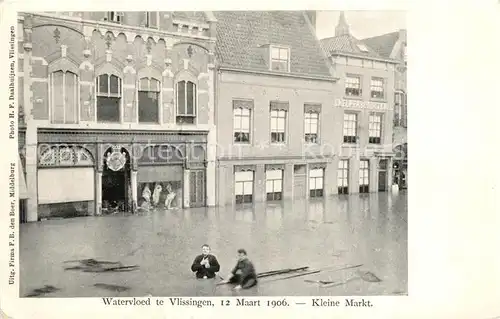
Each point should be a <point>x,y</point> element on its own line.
<point>365,99</point>
<point>275,97</point>
<point>117,109</point>
<point>393,46</point>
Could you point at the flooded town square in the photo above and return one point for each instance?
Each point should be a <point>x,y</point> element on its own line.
<point>366,232</point>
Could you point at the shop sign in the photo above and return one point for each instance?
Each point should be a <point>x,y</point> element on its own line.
<point>116,160</point>
<point>357,104</point>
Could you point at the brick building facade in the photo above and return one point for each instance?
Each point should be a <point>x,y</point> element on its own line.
<point>117,107</point>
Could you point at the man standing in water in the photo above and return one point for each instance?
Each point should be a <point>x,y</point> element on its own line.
<point>243,274</point>
<point>205,265</point>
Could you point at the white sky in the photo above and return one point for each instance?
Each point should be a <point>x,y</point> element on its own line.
<point>363,24</point>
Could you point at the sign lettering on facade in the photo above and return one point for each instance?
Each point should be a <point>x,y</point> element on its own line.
<point>357,104</point>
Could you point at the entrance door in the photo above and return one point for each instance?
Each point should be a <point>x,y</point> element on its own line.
<point>299,181</point>
<point>382,181</point>
<point>197,188</point>
<point>116,183</point>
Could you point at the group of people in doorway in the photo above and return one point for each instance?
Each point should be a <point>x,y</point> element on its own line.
<point>243,275</point>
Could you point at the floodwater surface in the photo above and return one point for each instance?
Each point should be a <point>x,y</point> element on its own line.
<point>151,254</point>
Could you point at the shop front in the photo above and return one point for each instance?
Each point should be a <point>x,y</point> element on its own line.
<point>102,172</point>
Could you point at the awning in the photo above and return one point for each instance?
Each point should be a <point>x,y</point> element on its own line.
<point>23,191</point>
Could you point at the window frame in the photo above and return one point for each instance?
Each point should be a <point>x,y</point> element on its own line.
<point>374,131</point>
<point>241,117</point>
<point>52,91</point>
<point>274,196</point>
<point>276,130</point>
<point>382,87</point>
<point>364,175</point>
<point>272,48</point>
<point>159,100</point>
<point>115,16</point>
<point>316,192</point>
<point>179,117</point>
<point>316,138</point>
<point>350,139</point>
<point>148,19</point>
<point>349,85</point>
<point>118,95</point>
<point>244,198</point>
<point>343,176</point>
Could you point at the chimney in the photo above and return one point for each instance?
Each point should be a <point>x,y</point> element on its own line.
<point>311,15</point>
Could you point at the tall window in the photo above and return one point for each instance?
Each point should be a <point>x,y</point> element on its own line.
<point>243,187</point>
<point>241,125</point>
<point>311,127</point>
<point>377,88</point>
<point>316,182</point>
<point>149,95</point>
<point>152,19</point>
<point>280,58</point>
<point>274,184</point>
<point>353,85</point>
<point>186,102</point>
<point>400,109</point>
<point>115,16</point>
<point>64,97</point>
<point>278,122</point>
<point>350,127</point>
<point>109,95</point>
<point>364,176</point>
<point>375,128</point>
<point>343,177</point>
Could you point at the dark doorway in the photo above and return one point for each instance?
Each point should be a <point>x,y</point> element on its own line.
<point>116,190</point>
<point>197,188</point>
<point>382,181</point>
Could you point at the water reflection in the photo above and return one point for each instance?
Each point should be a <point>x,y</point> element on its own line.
<point>348,229</point>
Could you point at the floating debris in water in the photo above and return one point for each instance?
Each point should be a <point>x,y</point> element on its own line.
<point>92,265</point>
<point>368,276</point>
<point>111,287</point>
<point>41,291</point>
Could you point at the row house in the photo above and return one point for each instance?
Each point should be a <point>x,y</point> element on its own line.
<point>117,110</point>
<point>275,108</point>
<point>393,45</point>
<point>364,97</point>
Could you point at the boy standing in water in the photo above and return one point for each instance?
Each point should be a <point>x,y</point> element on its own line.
<point>243,274</point>
<point>205,265</point>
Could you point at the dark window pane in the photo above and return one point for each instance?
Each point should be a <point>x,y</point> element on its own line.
<point>241,137</point>
<point>103,83</point>
<point>113,84</point>
<point>148,107</point>
<point>374,140</point>
<point>181,98</point>
<point>277,137</point>
<point>190,98</point>
<point>108,109</point>
<point>350,139</point>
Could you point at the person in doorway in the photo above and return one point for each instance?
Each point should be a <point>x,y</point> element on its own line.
<point>170,197</point>
<point>205,265</point>
<point>243,274</point>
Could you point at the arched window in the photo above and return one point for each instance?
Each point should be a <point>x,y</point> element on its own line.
<point>149,96</point>
<point>64,97</point>
<point>109,95</point>
<point>186,102</point>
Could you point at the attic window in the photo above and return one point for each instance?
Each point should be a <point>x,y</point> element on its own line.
<point>280,59</point>
<point>362,47</point>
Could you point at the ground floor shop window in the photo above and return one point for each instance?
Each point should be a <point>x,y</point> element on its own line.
<point>343,177</point>
<point>274,184</point>
<point>243,186</point>
<point>316,182</point>
<point>364,176</point>
<point>160,194</point>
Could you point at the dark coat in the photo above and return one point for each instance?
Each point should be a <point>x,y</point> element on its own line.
<point>201,270</point>
<point>247,269</point>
